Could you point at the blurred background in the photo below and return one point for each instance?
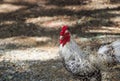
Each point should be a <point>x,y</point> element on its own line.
<point>32,27</point>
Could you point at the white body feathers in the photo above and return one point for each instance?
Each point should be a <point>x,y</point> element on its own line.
<point>109,55</point>
<point>87,65</point>
<point>76,61</point>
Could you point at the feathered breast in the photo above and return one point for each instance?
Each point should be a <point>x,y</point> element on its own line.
<point>75,60</point>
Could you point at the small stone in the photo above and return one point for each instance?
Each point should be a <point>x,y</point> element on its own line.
<point>10,77</point>
<point>54,67</point>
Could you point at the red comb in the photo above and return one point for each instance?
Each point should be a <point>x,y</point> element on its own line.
<point>64,28</point>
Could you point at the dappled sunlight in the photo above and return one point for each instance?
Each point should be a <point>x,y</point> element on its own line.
<point>113,30</point>
<point>30,40</point>
<point>21,42</point>
<point>41,16</point>
<point>29,35</point>
<point>52,22</point>
<point>7,22</point>
<point>90,7</point>
<point>29,54</point>
<point>58,23</point>
<point>114,12</point>
<point>6,8</point>
<point>40,19</point>
<point>102,6</point>
<point>116,20</point>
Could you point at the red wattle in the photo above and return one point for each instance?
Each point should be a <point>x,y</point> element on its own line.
<point>65,40</point>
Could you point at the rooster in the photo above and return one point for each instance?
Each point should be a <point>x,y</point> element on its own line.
<point>75,59</point>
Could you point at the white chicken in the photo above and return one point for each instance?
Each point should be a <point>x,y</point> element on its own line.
<point>75,60</point>
<point>109,55</point>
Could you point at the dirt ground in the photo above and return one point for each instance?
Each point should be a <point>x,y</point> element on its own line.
<point>29,35</point>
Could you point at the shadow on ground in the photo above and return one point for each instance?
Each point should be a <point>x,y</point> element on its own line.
<point>18,26</point>
<point>51,70</point>
<point>68,2</point>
